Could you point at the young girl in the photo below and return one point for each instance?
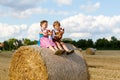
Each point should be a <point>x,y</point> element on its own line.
<point>45,41</point>
<point>57,36</point>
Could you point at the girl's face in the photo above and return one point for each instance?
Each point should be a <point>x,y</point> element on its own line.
<point>44,25</point>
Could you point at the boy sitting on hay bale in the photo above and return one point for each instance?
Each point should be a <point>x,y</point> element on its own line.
<point>57,36</point>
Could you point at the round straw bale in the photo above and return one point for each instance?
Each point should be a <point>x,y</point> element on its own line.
<point>90,51</point>
<point>36,63</point>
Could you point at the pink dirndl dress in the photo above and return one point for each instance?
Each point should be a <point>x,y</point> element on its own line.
<point>46,42</point>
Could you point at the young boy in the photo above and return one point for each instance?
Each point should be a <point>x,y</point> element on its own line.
<point>57,36</point>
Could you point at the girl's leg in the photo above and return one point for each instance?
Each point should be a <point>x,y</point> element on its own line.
<point>50,47</point>
<point>59,47</point>
<point>57,52</point>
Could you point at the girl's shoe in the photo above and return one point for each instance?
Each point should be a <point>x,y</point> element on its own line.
<point>63,51</point>
<point>69,52</point>
<point>58,52</point>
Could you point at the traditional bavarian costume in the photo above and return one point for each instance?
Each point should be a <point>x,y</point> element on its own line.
<point>44,40</point>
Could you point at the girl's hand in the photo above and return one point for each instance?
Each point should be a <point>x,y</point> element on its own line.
<point>50,33</point>
<point>45,34</point>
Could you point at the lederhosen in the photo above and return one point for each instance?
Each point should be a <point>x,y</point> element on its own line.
<point>55,33</point>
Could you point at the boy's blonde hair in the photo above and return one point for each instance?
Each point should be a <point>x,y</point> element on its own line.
<point>43,21</point>
<point>56,23</point>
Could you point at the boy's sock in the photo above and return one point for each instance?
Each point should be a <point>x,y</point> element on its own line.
<point>70,51</point>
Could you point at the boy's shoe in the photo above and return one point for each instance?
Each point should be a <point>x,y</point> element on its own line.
<point>69,52</point>
<point>58,52</point>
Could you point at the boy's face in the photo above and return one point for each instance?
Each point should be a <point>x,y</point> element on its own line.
<point>57,27</point>
<point>44,25</point>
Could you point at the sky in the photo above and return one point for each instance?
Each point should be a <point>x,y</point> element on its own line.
<point>82,19</point>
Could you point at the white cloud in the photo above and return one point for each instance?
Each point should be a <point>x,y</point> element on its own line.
<point>33,31</point>
<point>116,31</point>
<point>20,4</point>
<point>9,31</point>
<point>92,26</point>
<point>64,2</point>
<point>29,12</point>
<point>80,35</point>
<point>20,31</point>
<point>26,8</point>
<point>90,7</point>
<point>76,27</point>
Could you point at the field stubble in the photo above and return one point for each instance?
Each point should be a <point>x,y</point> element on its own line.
<point>104,65</point>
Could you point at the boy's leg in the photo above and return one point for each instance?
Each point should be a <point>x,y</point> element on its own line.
<point>59,45</point>
<point>55,47</point>
<point>65,47</point>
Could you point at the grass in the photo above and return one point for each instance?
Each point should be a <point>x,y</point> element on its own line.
<point>104,65</point>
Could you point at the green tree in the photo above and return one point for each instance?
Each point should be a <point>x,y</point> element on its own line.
<point>11,43</point>
<point>82,43</point>
<point>102,44</point>
<point>27,41</point>
<point>33,42</point>
<point>6,45</point>
<point>115,44</point>
<point>67,40</point>
<point>90,43</point>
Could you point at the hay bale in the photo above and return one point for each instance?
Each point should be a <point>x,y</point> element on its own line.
<point>90,51</point>
<point>36,63</point>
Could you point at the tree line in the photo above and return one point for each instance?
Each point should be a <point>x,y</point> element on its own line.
<point>100,44</point>
<point>13,43</point>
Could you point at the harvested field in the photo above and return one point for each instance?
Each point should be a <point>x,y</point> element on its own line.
<point>104,65</point>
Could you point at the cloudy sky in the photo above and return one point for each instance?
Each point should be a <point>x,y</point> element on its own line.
<point>82,19</point>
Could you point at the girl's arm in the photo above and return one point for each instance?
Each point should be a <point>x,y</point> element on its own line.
<point>44,33</point>
<point>41,32</point>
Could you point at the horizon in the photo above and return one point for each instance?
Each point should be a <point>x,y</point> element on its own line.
<point>66,38</point>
